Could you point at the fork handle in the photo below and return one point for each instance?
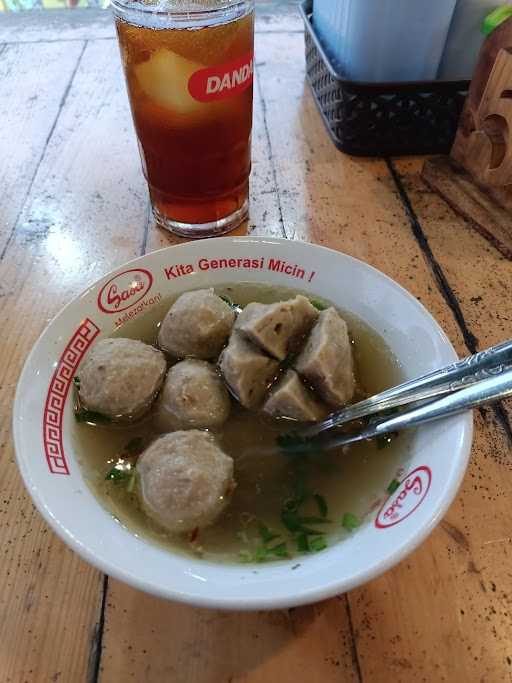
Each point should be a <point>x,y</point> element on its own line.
<point>480,366</point>
<point>487,391</point>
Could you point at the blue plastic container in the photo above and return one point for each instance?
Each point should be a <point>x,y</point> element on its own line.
<point>384,40</point>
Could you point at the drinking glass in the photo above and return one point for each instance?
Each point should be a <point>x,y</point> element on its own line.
<point>189,74</point>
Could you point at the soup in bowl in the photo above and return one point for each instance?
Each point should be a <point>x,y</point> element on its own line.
<point>150,416</point>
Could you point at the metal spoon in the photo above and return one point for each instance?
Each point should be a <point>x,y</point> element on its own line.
<point>453,377</point>
<point>480,393</point>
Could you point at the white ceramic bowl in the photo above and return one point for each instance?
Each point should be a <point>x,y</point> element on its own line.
<point>43,420</point>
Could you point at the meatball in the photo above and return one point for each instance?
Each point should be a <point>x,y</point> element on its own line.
<point>290,398</point>
<point>185,480</point>
<point>275,328</point>
<point>326,361</point>
<point>196,326</point>
<point>193,396</point>
<point>120,378</point>
<point>247,371</point>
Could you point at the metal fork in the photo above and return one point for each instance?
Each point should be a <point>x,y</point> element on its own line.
<point>483,378</point>
<point>489,363</point>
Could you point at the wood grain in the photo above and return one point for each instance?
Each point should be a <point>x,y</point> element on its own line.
<point>458,189</point>
<point>29,106</point>
<point>362,215</point>
<point>305,644</point>
<point>466,570</point>
<point>84,215</point>
<point>247,647</point>
<point>351,204</point>
<point>478,274</point>
<point>342,202</point>
<point>444,613</point>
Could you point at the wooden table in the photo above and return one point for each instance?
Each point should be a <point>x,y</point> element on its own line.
<point>73,205</point>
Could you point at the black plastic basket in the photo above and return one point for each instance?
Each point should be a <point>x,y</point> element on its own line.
<point>380,119</point>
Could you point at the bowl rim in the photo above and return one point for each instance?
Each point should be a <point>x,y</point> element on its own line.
<point>307,596</point>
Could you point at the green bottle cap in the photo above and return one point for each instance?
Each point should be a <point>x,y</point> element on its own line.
<point>495,18</point>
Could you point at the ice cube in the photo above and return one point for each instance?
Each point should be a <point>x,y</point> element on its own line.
<point>164,78</point>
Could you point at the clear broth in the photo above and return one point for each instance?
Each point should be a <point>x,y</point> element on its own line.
<point>351,480</point>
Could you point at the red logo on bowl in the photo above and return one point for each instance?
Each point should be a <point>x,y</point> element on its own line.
<point>406,499</point>
<point>124,290</point>
<point>223,80</point>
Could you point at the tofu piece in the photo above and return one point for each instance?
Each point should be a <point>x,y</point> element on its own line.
<point>247,371</point>
<point>290,398</point>
<point>326,361</point>
<point>275,328</point>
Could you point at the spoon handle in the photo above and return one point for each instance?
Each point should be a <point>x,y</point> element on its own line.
<point>487,391</point>
<point>453,377</point>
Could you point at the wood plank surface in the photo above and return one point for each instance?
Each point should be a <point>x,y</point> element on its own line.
<point>441,615</point>
<point>246,647</point>
<point>34,83</point>
<point>445,610</point>
<point>152,640</point>
<point>84,215</point>
<point>477,275</point>
<point>352,205</point>
<point>458,189</point>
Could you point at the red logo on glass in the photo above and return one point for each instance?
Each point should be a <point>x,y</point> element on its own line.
<point>224,80</point>
<point>124,290</point>
<point>406,499</point>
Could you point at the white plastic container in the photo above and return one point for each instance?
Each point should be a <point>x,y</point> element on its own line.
<point>384,40</point>
<point>465,38</point>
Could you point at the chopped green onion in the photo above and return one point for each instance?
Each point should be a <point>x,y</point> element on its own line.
<point>131,481</point>
<point>393,486</point>
<point>311,532</point>
<point>263,553</point>
<point>82,415</point>
<point>280,550</point>
<point>290,519</point>
<point>302,542</point>
<point>294,523</point>
<point>76,382</point>
<point>117,473</point>
<point>266,534</point>
<point>319,305</point>
<point>314,520</point>
<point>260,554</point>
<point>317,544</point>
<point>229,302</point>
<point>321,504</point>
<point>350,521</point>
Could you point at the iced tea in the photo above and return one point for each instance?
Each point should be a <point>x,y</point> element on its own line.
<point>190,91</point>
